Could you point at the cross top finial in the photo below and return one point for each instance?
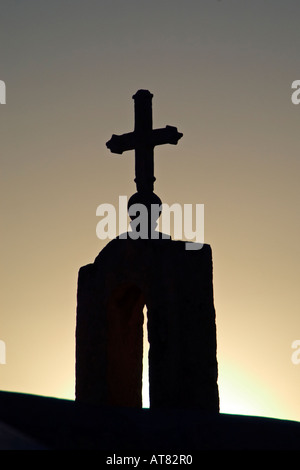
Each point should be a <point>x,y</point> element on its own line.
<point>143,92</point>
<point>143,140</point>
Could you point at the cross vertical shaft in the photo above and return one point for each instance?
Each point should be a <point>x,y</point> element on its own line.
<point>144,158</point>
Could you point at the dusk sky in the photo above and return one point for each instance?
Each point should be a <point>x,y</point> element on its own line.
<point>222,73</point>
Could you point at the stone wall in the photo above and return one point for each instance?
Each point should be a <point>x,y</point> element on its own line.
<point>177,288</point>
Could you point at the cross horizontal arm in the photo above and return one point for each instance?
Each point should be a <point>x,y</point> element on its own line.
<point>121,143</point>
<point>166,135</point>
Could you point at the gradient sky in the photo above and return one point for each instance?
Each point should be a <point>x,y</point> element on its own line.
<point>221,71</point>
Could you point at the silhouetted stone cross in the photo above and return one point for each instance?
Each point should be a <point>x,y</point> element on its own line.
<point>143,140</point>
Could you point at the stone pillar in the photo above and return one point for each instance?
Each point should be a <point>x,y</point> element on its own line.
<point>176,286</point>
